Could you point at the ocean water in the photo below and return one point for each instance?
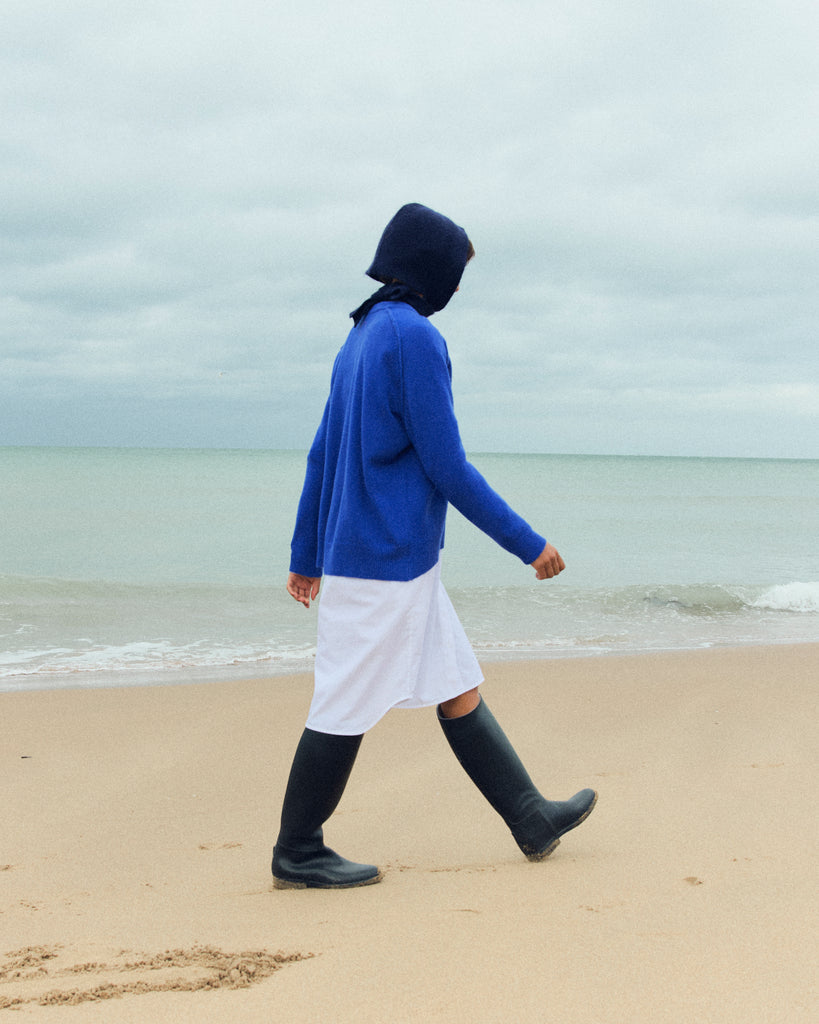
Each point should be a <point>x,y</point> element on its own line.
<point>123,566</point>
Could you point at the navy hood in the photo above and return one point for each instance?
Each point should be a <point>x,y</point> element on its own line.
<point>424,250</point>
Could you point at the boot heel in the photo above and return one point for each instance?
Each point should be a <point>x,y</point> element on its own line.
<point>283,883</point>
<point>543,853</point>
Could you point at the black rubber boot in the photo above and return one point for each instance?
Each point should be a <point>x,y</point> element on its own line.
<point>489,759</point>
<point>321,768</point>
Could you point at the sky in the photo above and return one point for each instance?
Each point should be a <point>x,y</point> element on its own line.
<point>190,194</point>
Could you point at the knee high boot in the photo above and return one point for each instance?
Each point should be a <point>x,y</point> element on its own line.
<point>490,761</point>
<point>321,768</point>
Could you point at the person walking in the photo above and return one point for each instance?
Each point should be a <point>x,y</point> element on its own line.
<point>386,462</point>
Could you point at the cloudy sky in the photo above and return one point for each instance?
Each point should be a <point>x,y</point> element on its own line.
<point>191,193</point>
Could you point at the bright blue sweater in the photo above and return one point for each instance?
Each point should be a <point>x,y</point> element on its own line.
<point>387,459</point>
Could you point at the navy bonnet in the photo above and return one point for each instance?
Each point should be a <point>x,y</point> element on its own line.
<point>426,253</point>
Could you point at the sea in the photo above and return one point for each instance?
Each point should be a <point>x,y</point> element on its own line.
<point>132,566</point>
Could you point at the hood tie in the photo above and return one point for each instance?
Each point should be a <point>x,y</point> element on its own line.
<point>395,292</point>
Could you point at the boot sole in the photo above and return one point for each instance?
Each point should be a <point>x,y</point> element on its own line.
<point>286,883</point>
<point>556,842</point>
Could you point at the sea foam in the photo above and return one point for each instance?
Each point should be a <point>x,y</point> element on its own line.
<point>789,597</point>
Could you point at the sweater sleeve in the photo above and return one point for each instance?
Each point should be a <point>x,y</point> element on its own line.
<point>429,417</point>
<point>304,547</point>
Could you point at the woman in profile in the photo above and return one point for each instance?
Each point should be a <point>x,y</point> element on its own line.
<point>386,462</point>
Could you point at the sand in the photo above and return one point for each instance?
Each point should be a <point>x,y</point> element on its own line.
<point>138,825</point>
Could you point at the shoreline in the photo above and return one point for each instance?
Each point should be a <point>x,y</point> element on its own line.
<point>209,675</point>
<point>135,861</point>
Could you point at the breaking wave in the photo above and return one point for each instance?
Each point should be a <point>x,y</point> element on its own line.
<point>789,597</point>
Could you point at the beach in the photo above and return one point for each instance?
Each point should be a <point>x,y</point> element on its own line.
<point>139,822</point>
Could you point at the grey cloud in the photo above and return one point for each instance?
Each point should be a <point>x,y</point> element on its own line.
<point>192,193</point>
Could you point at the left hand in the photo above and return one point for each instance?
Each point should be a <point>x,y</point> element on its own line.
<point>303,589</point>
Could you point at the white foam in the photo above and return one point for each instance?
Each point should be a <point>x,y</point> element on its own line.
<point>789,597</point>
<point>143,655</point>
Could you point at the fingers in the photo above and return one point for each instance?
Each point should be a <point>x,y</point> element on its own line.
<point>549,564</point>
<point>553,567</point>
<point>547,573</point>
<point>297,594</point>
<point>303,588</point>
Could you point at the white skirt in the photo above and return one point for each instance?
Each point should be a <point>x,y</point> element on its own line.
<point>386,644</point>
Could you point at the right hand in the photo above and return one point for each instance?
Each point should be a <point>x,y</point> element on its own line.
<point>303,589</point>
<point>548,563</point>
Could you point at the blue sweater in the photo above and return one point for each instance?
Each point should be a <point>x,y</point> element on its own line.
<point>387,459</point>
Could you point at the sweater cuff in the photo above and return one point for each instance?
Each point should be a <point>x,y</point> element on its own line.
<point>304,567</point>
<point>535,548</point>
